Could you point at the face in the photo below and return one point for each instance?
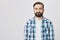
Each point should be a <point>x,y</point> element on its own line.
<point>38,10</point>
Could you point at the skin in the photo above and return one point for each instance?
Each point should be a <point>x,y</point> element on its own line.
<point>38,8</point>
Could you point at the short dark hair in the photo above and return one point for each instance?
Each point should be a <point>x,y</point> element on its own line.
<point>38,3</point>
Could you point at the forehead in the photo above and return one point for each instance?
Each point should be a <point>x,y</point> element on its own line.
<point>38,6</point>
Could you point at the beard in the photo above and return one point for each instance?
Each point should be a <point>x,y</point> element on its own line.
<point>38,14</point>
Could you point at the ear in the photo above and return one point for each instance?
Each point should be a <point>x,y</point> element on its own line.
<point>43,10</point>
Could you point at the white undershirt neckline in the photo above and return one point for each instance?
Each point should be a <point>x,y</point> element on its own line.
<point>38,29</point>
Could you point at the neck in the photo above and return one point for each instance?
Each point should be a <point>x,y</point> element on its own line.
<point>38,18</point>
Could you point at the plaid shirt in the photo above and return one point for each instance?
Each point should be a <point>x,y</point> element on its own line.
<point>30,29</point>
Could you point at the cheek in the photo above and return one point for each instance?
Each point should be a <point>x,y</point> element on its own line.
<point>41,11</point>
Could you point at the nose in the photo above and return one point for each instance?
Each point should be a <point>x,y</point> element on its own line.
<point>38,10</point>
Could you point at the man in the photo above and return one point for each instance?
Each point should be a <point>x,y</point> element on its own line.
<point>38,27</point>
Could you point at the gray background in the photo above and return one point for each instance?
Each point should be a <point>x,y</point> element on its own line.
<point>14,14</point>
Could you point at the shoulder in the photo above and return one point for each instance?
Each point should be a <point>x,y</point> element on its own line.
<point>29,21</point>
<point>47,20</point>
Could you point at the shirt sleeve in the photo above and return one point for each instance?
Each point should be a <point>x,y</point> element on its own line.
<point>51,31</point>
<point>26,31</point>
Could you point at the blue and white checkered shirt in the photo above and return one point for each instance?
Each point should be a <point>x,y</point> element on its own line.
<point>47,29</point>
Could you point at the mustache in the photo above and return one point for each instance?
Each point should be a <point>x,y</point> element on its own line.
<point>38,12</point>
